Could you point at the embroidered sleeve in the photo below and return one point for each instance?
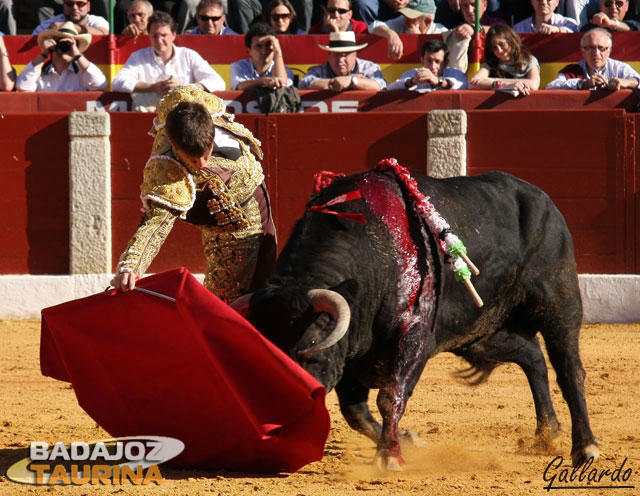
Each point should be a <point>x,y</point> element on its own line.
<point>154,228</point>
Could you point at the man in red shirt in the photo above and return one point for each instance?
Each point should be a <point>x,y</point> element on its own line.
<point>338,17</point>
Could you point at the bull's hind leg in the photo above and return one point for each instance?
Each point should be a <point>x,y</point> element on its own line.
<point>562,346</point>
<point>505,346</point>
<point>559,324</point>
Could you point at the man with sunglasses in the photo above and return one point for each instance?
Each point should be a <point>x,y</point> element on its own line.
<point>77,12</point>
<point>338,16</point>
<point>612,17</point>
<point>596,70</point>
<point>211,18</point>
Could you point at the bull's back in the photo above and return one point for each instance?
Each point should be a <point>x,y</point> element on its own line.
<point>521,245</point>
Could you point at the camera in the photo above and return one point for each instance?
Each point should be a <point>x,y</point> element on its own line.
<point>64,46</point>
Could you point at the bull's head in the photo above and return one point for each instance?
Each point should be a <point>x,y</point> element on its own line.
<point>303,324</point>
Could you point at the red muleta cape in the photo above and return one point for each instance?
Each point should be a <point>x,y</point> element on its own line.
<point>193,369</point>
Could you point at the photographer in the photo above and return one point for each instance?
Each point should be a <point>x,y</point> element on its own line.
<point>68,69</point>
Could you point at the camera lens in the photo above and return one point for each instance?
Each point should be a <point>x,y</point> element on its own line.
<point>64,46</point>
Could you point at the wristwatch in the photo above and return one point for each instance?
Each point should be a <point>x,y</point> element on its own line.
<point>440,82</point>
<point>354,82</point>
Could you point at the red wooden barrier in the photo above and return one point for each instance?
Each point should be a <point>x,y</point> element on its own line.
<point>586,160</point>
<point>34,194</point>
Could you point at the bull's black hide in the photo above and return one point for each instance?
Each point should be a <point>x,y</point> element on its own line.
<point>528,281</point>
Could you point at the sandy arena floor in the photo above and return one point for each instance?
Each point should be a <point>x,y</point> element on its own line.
<point>480,440</point>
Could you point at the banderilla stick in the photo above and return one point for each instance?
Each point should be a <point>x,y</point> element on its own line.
<point>474,270</point>
<point>476,297</point>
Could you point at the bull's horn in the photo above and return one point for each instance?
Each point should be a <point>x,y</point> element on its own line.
<point>325,300</point>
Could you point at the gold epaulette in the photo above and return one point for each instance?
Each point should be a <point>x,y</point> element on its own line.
<point>168,183</point>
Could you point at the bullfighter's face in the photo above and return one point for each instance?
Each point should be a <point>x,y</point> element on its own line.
<point>342,63</point>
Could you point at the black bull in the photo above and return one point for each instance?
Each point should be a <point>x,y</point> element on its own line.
<point>528,281</point>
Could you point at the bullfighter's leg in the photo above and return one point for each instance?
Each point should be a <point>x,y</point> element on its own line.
<point>504,346</point>
<point>353,405</point>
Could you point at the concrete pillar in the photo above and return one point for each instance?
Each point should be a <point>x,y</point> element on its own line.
<point>447,147</point>
<point>90,192</point>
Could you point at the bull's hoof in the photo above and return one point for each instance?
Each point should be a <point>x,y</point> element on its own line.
<point>589,451</point>
<point>389,463</point>
<point>413,438</point>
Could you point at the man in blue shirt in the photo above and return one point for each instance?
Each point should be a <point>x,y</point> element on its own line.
<point>344,70</point>
<point>266,66</point>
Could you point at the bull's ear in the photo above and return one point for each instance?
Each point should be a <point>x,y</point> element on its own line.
<point>348,289</point>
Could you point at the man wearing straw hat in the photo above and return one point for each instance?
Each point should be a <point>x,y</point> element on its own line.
<point>68,69</point>
<point>344,70</point>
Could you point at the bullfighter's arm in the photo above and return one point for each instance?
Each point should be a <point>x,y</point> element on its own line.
<point>153,230</point>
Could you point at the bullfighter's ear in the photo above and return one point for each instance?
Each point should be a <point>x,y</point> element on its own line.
<point>347,288</point>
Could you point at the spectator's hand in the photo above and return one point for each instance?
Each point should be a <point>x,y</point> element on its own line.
<point>523,87</point>
<point>454,5</point>
<point>603,20</point>
<point>275,46</point>
<point>615,84</point>
<point>425,76</point>
<point>548,29</point>
<point>272,82</point>
<point>124,281</point>
<point>463,31</point>
<point>596,81</point>
<point>74,47</point>
<point>132,31</point>
<point>339,83</point>
<point>48,46</point>
<point>331,24</point>
<point>165,86</point>
<point>396,47</point>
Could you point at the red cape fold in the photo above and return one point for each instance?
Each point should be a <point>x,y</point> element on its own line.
<point>193,369</point>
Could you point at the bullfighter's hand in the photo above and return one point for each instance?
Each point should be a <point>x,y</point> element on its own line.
<point>124,281</point>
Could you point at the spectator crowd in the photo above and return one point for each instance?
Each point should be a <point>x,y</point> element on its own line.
<point>65,29</point>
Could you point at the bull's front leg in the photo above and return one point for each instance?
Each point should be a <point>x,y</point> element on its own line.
<point>392,401</point>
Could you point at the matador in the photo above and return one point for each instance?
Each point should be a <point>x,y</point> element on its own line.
<point>226,199</point>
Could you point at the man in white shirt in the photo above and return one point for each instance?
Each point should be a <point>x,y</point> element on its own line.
<point>152,72</point>
<point>545,21</point>
<point>77,12</point>
<point>68,69</point>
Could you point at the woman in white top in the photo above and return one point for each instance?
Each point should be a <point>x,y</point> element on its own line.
<point>508,65</point>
